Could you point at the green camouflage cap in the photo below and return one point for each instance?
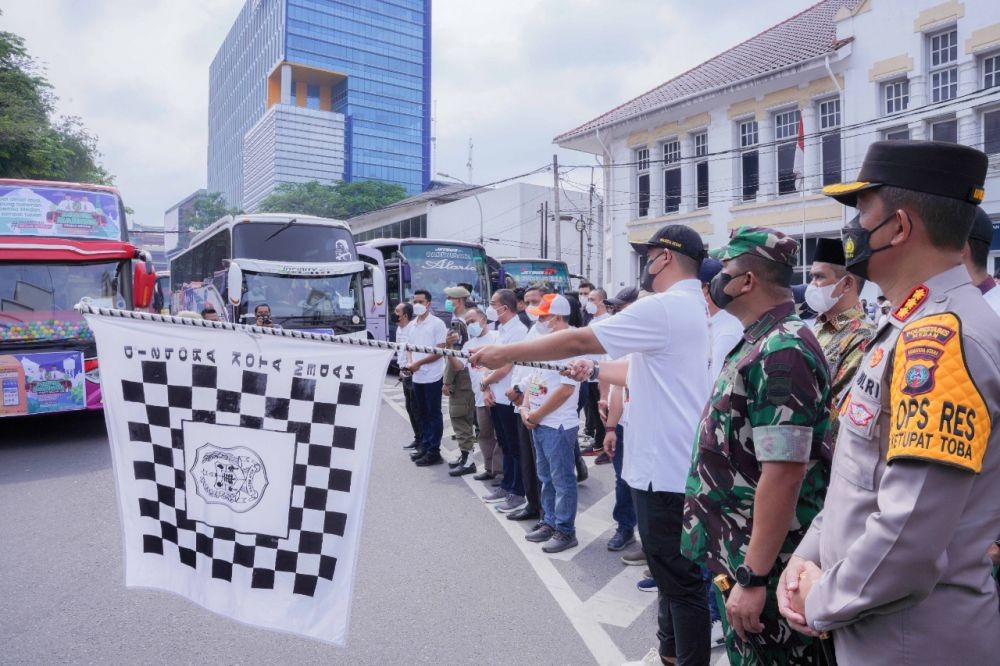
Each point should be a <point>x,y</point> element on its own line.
<point>767,243</point>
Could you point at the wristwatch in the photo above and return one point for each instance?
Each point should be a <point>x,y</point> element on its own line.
<point>595,373</point>
<point>745,577</point>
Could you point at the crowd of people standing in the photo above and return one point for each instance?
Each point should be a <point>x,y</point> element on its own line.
<point>833,480</point>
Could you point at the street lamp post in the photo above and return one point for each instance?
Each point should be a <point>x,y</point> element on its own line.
<point>478,203</point>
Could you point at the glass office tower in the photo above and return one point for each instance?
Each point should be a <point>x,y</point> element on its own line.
<point>364,63</point>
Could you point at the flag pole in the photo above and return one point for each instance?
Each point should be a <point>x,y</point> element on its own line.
<point>84,307</point>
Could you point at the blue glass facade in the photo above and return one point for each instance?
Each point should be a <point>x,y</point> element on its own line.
<point>384,49</point>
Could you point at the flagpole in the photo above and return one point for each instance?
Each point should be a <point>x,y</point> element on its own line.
<point>88,308</point>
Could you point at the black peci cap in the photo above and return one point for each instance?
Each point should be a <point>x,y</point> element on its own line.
<point>830,251</point>
<point>624,297</point>
<point>933,167</point>
<point>982,227</point>
<point>676,238</point>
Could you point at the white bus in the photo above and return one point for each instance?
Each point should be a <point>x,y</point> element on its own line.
<point>305,268</point>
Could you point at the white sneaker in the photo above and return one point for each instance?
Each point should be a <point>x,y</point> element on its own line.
<point>718,635</point>
<point>652,658</point>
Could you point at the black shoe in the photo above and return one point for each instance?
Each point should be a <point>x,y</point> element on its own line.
<point>462,460</point>
<point>412,445</point>
<point>463,470</point>
<point>430,459</point>
<point>496,482</point>
<point>581,471</point>
<point>524,514</point>
<point>416,454</point>
<point>485,476</point>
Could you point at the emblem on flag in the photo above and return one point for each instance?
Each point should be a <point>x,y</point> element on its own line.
<point>232,477</point>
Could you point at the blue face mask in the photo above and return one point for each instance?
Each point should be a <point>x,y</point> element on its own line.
<point>475,329</point>
<point>449,306</point>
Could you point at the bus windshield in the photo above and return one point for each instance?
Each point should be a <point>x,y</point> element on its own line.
<point>32,210</point>
<point>435,266</point>
<point>297,302</point>
<point>292,241</point>
<point>522,273</point>
<point>36,300</point>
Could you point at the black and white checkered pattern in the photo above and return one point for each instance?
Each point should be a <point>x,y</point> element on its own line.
<point>156,408</point>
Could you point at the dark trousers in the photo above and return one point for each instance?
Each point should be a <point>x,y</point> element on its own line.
<point>428,398</point>
<point>685,631</point>
<point>411,409</point>
<point>624,511</point>
<point>529,473</point>
<point>505,425</point>
<point>594,426</point>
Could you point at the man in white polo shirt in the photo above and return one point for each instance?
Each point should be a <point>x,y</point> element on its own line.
<point>667,385</point>
<point>428,373</point>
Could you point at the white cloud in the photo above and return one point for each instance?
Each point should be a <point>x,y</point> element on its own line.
<point>511,75</point>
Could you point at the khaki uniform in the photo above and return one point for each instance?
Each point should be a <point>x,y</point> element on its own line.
<point>461,406</point>
<point>913,501</point>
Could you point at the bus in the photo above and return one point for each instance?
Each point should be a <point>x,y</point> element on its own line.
<point>422,263</point>
<point>525,272</point>
<point>305,268</point>
<point>60,243</point>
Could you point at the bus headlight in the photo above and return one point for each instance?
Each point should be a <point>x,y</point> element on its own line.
<point>91,371</point>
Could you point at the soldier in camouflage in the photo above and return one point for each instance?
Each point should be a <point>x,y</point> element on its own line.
<point>759,470</point>
<point>842,327</point>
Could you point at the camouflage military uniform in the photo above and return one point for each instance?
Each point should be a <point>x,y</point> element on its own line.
<point>770,403</point>
<point>843,339</point>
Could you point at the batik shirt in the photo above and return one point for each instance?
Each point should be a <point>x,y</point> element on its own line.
<point>770,403</point>
<point>843,339</point>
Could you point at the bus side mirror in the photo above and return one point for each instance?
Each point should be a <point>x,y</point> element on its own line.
<point>234,284</point>
<point>378,285</point>
<point>143,283</point>
<point>404,272</point>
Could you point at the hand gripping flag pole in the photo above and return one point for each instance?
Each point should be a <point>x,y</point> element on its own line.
<point>85,307</point>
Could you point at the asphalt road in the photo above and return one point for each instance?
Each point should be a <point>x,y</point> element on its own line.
<point>442,579</point>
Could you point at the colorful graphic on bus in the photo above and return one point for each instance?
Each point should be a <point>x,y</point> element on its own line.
<point>58,212</point>
<point>37,383</point>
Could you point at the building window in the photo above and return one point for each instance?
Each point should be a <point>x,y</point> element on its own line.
<point>896,95</point>
<point>642,180</point>
<point>991,132</point>
<point>749,160</point>
<point>896,134</point>
<point>991,71</point>
<point>945,130</point>
<point>786,134</point>
<point>701,168</point>
<point>943,70</point>
<point>829,124</point>
<point>671,176</point>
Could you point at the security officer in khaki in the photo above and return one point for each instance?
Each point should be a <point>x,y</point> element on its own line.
<point>895,567</point>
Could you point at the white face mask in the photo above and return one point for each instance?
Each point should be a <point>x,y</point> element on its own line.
<point>492,314</point>
<point>532,317</point>
<point>543,327</point>
<point>821,299</point>
<point>419,309</point>
<point>591,308</point>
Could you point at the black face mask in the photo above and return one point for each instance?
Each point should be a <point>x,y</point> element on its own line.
<point>646,279</point>
<point>394,318</point>
<point>717,289</point>
<point>857,245</point>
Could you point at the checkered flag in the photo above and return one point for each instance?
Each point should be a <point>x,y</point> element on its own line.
<point>242,462</point>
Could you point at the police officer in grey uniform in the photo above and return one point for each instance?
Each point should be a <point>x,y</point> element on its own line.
<point>895,568</point>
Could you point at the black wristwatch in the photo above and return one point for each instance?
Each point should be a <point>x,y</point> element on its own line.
<point>596,372</point>
<point>745,577</point>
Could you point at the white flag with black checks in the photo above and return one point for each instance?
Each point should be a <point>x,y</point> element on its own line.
<point>242,463</point>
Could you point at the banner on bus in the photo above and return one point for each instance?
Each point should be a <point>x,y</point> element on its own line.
<point>41,382</point>
<point>60,212</point>
<point>242,463</point>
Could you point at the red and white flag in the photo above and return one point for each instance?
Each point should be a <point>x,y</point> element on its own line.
<point>799,168</point>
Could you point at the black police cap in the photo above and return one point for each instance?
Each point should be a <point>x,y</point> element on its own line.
<point>933,167</point>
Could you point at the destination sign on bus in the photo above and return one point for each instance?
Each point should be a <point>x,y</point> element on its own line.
<point>59,212</point>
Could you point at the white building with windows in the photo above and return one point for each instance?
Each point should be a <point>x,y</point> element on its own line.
<point>714,147</point>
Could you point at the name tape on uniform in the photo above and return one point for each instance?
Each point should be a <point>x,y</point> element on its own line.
<point>938,414</point>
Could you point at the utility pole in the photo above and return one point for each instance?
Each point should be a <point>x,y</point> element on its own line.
<point>545,231</point>
<point>469,163</point>
<point>555,192</point>
<point>581,226</point>
<point>590,226</point>
<point>541,230</point>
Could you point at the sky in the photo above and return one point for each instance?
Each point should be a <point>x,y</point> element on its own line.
<point>509,75</point>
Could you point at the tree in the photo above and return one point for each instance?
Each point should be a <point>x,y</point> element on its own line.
<point>33,143</point>
<point>338,201</point>
<point>207,208</point>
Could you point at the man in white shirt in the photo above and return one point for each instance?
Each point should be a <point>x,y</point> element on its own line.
<point>549,412</point>
<point>480,334</point>
<point>667,388</point>
<point>503,310</point>
<point>428,373</point>
<point>403,316</point>
<point>976,255</point>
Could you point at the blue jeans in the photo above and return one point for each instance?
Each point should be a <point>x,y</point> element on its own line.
<point>624,511</point>
<point>556,466</point>
<point>428,398</point>
<point>505,426</point>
